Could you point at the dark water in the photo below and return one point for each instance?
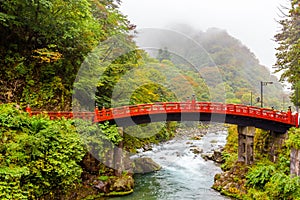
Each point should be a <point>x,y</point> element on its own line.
<point>184,175</point>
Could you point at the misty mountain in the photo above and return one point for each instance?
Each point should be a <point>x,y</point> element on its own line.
<point>217,57</point>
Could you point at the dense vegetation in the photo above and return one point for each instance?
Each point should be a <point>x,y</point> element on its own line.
<point>44,42</point>
<point>37,156</point>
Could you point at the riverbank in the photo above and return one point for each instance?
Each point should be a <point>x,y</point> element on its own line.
<point>268,178</point>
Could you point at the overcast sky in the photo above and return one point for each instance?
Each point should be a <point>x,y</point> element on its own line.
<point>253,22</point>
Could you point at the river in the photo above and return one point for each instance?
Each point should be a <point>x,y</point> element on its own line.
<point>184,175</point>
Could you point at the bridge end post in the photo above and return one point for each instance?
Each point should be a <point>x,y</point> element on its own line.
<point>245,144</point>
<point>28,110</point>
<point>297,120</point>
<point>96,111</point>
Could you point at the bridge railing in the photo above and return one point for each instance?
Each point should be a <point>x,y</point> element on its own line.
<point>177,107</point>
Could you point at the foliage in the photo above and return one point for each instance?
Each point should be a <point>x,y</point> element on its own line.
<point>282,186</point>
<point>138,136</point>
<point>264,179</point>
<point>219,58</point>
<point>273,180</point>
<point>294,138</point>
<point>44,43</point>
<point>230,152</point>
<point>37,156</point>
<point>288,53</point>
<point>96,141</point>
<point>163,54</point>
<point>230,160</point>
<point>260,175</point>
<point>277,186</point>
<point>111,132</point>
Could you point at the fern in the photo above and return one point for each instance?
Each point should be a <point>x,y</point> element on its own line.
<point>260,175</point>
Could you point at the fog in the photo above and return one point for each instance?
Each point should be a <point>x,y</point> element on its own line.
<point>252,22</point>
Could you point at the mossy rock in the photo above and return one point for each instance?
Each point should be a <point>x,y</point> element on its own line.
<point>122,184</point>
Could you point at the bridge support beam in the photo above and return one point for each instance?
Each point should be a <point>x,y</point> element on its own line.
<point>246,141</point>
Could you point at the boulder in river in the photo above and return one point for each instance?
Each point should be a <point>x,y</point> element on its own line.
<point>144,165</point>
<point>216,156</point>
<point>197,137</point>
<point>196,150</point>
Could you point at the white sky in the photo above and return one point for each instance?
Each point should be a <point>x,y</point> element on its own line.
<point>253,22</point>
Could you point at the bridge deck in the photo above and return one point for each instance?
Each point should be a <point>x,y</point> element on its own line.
<point>183,108</point>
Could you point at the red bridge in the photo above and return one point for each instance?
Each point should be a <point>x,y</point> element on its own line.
<point>241,115</point>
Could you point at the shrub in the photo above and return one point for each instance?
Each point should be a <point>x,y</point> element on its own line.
<point>37,155</point>
<point>282,186</point>
<point>258,176</point>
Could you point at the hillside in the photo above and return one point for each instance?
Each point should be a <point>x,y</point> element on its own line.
<point>229,69</point>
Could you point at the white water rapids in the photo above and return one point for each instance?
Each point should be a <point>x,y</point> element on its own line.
<point>184,175</point>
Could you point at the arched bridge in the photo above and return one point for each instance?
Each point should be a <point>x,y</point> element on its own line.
<point>242,115</point>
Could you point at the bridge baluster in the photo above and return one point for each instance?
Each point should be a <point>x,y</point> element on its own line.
<point>28,110</point>
<point>289,113</point>
<point>96,114</point>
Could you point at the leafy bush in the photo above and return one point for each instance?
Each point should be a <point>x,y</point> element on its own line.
<point>256,194</point>
<point>138,136</point>
<point>37,155</point>
<point>230,160</point>
<point>260,175</point>
<point>272,180</point>
<point>279,186</point>
<point>282,186</point>
<point>230,153</point>
<point>294,138</point>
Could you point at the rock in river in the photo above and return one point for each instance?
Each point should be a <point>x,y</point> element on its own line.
<point>145,165</point>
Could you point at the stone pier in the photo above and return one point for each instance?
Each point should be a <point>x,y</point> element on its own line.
<point>118,155</point>
<point>246,141</point>
<point>295,162</point>
<point>276,142</point>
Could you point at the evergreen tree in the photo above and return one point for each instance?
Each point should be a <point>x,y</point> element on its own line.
<point>288,55</point>
<point>163,54</point>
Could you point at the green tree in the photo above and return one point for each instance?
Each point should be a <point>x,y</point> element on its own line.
<point>43,43</point>
<point>164,54</point>
<point>288,52</point>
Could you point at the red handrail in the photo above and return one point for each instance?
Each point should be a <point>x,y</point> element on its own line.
<point>177,107</point>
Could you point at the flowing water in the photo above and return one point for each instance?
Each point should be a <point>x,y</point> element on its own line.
<point>184,175</point>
